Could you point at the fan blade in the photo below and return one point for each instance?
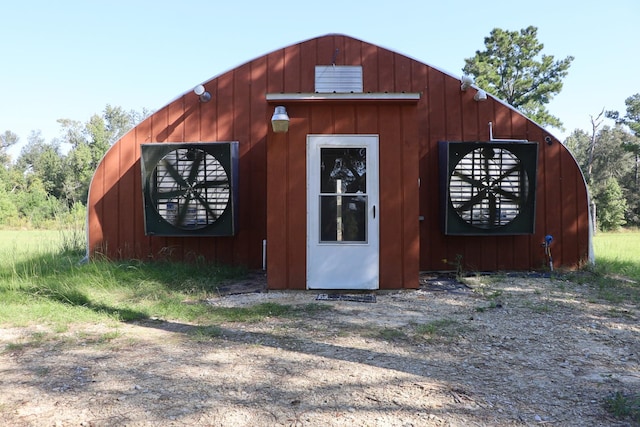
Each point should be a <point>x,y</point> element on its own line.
<point>511,196</point>
<point>206,206</point>
<point>486,165</point>
<point>472,201</point>
<point>174,173</point>
<point>182,214</point>
<point>468,179</point>
<point>506,173</point>
<point>493,210</point>
<point>167,195</point>
<point>216,183</point>
<point>195,166</point>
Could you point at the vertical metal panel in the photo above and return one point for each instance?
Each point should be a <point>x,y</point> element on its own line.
<point>129,200</point>
<point>431,240</point>
<point>385,72</point>
<point>391,170</point>
<point>242,132</point>
<point>552,217</point>
<point>257,200</point>
<point>276,178</point>
<point>277,250</point>
<point>225,104</point>
<point>95,238</point>
<point>158,132</point>
<point>292,71</point>
<point>296,181</point>
<point>307,62</point>
<point>325,50</point>
<point>570,216</point>
<point>369,67</point>
<point>297,206</point>
<point>536,252</point>
<point>109,204</point>
<point>350,52</point>
<point>141,242</point>
<point>410,197</point>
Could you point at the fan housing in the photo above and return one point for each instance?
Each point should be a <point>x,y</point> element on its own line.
<point>488,188</point>
<point>190,189</point>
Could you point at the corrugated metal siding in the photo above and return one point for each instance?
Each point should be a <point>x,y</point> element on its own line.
<point>272,169</point>
<point>339,79</point>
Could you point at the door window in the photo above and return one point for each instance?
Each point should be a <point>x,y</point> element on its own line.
<point>343,195</point>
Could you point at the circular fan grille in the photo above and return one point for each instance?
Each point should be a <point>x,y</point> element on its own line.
<point>191,188</point>
<point>488,187</point>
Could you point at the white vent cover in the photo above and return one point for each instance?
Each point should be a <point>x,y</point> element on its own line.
<point>338,78</point>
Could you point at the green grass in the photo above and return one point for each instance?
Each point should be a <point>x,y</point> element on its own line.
<point>619,253</point>
<point>42,282</point>
<point>617,269</point>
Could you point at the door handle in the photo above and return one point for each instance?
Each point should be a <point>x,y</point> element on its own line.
<point>374,211</point>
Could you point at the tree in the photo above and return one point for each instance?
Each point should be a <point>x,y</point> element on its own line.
<point>579,142</point>
<point>44,162</point>
<point>632,120</point>
<point>46,179</point>
<point>118,122</point>
<point>89,142</point>
<point>513,69</point>
<point>7,139</point>
<point>596,122</point>
<point>603,154</point>
<point>632,117</point>
<point>611,206</point>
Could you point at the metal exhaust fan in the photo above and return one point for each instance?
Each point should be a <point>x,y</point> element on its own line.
<point>488,188</point>
<point>190,189</point>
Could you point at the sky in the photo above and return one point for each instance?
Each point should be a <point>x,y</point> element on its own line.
<point>68,59</point>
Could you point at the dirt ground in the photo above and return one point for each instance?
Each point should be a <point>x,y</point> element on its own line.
<point>514,351</point>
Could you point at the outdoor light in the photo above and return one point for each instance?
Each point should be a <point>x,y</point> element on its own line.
<point>280,120</point>
<point>480,95</point>
<point>202,93</point>
<point>466,83</point>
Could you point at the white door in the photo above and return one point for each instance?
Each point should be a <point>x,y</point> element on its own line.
<point>342,212</point>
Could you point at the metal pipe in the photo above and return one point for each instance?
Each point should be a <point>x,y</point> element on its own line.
<point>491,139</point>
<point>264,254</point>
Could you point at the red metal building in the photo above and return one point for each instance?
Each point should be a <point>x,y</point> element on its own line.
<point>385,167</point>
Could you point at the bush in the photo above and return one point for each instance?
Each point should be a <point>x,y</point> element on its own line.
<point>36,207</point>
<point>8,211</point>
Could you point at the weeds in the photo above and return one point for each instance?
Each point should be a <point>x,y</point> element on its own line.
<point>391,334</point>
<point>539,308</point>
<point>624,406</point>
<point>205,333</point>
<point>262,311</point>
<point>491,306</point>
<point>443,328</point>
<point>457,264</point>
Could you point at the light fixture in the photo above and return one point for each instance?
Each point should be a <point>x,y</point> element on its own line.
<point>466,83</point>
<point>202,93</point>
<point>280,120</point>
<point>480,95</point>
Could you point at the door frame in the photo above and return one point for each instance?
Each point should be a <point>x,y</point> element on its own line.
<point>345,265</point>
